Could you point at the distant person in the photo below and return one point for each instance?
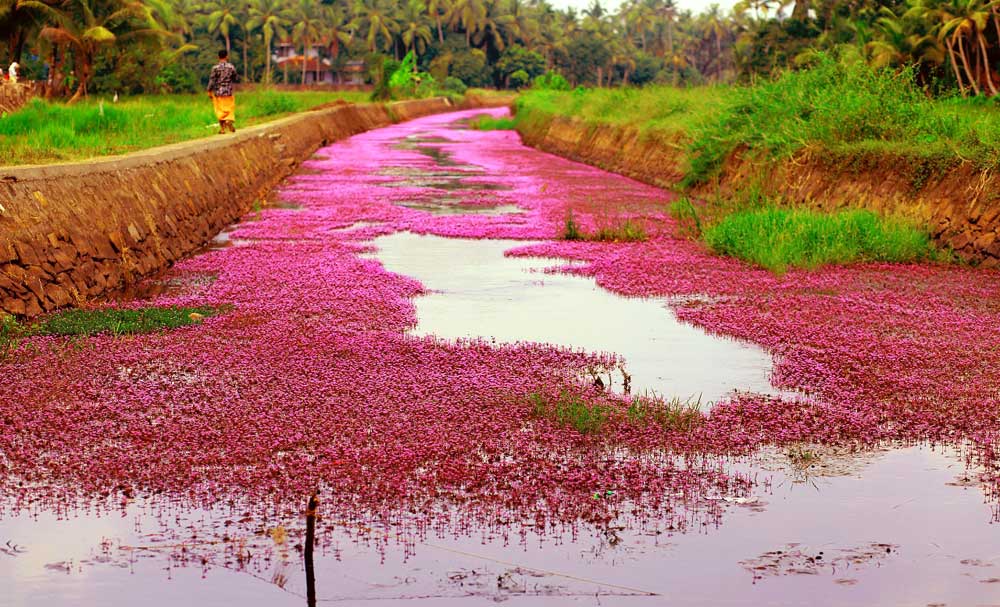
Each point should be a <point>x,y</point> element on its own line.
<point>12,72</point>
<point>220,88</point>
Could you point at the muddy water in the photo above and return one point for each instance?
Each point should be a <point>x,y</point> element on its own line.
<point>478,292</point>
<point>901,527</point>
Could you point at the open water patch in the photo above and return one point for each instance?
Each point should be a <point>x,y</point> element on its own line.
<point>852,539</point>
<point>476,291</point>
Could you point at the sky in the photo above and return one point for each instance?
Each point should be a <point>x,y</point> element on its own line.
<point>695,6</point>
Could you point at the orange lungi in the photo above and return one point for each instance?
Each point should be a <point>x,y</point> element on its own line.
<point>225,108</point>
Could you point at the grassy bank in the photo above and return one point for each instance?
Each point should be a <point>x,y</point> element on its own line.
<point>49,132</point>
<point>851,115</point>
<point>844,110</point>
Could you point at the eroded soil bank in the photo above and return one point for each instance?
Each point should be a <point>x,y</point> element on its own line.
<point>437,476</point>
<point>955,202</point>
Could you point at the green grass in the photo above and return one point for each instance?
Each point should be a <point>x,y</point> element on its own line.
<point>121,321</point>
<point>111,321</point>
<point>661,111</point>
<point>845,111</point>
<point>626,230</point>
<point>669,414</point>
<point>777,238</point>
<point>489,123</point>
<point>43,131</point>
<point>570,410</point>
<point>571,229</point>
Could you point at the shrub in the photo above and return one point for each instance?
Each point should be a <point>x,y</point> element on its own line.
<point>551,81</point>
<point>454,85</point>
<point>519,79</point>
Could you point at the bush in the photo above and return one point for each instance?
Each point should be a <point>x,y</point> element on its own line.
<point>454,85</point>
<point>777,238</point>
<point>519,79</point>
<point>470,67</point>
<point>517,59</point>
<point>551,81</point>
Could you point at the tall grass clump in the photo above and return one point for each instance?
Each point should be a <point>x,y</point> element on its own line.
<point>489,123</point>
<point>841,107</point>
<point>618,230</point>
<point>571,229</point>
<point>669,414</point>
<point>570,410</point>
<point>778,238</point>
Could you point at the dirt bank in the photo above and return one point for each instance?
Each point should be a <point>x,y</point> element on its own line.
<point>956,202</point>
<point>72,232</point>
<point>13,96</point>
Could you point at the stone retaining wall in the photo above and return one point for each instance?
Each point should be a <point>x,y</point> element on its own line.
<point>73,232</point>
<point>958,204</point>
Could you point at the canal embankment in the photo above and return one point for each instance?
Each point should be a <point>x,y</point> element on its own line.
<point>813,149</point>
<point>72,232</point>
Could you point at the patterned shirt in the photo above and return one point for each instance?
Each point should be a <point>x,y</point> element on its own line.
<point>222,79</point>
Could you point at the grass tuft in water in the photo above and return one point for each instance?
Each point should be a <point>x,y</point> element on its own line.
<point>489,123</point>
<point>684,211</point>
<point>571,410</point>
<point>778,238</point>
<point>571,229</point>
<point>669,414</point>
<point>625,230</point>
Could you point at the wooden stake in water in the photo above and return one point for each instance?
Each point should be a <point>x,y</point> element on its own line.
<point>310,541</point>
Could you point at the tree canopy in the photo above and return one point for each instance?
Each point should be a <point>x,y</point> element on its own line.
<point>168,45</point>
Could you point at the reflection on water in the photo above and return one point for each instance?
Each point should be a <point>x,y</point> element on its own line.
<point>477,292</point>
<point>905,532</point>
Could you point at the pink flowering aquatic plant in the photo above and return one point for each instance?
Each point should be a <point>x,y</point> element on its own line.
<point>310,380</point>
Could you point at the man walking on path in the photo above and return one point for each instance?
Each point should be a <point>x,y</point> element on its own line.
<point>220,89</point>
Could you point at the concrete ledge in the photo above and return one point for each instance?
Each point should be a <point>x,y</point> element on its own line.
<point>73,232</point>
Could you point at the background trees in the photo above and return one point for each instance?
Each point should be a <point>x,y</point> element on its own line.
<point>162,45</point>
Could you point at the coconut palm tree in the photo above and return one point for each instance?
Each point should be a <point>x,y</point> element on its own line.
<point>338,28</point>
<point>715,27</point>
<point>491,28</point>
<point>223,17</point>
<point>377,19</point>
<point>307,29</point>
<point>436,10</point>
<point>86,26</point>
<point>415,32</point>
<point>467,14</point>
<point>271,18</point>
